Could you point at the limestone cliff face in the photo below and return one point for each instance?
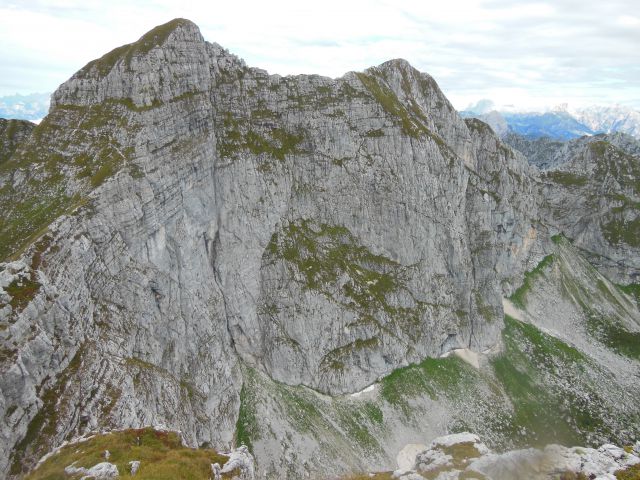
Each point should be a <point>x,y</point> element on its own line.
<point>180,219</point>
<point>542,152</point>
<point>592,194</point>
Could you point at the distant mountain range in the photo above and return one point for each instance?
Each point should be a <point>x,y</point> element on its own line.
<point>33,107</point>
<point>611,119</point>
<point>561,123</point>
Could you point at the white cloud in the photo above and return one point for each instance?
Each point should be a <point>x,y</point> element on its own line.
<point>629,21</point>
<point>520,52</point>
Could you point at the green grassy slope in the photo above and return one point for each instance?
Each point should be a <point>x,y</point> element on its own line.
<point>161,455</point>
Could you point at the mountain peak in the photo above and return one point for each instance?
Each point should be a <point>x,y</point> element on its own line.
<point>163,31</point>
<point>133,71</point>
<point>399,63</point>
<point>156,37</point>
<point>160,34</point>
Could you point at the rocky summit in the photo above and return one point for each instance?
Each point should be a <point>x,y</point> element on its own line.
<point>324,270</point>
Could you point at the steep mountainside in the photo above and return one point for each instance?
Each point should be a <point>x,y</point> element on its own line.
<point>542,152</point>
<point>592,192</point>
<point>546,153</point>
<point>12,133</point>
<point>193,242</point>
<point>593,196</point>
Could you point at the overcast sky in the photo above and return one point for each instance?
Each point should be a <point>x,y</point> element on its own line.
<point>527,53</point>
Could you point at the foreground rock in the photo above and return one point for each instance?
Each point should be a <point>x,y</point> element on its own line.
<point>240,463</point>
<point>99,471</point>
<point>147,454</point>
<point>464,456</point>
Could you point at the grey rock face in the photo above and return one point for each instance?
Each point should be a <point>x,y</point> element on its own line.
<point>12,133</point>
<point>592,194</point>
<point>239,460</point>
<point>546,153</point>
<point>542,152</point>
<point>100,471</point>
<point>623,141</point>
<point>191,218</point>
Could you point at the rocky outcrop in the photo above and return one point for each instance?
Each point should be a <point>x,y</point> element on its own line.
<point>542,152</point>
<point>101,470</point>
<point>465,456</point>
<point>182,227</point>
<point>12,133</point>
<point>240,461</point>
<point>592,194</point>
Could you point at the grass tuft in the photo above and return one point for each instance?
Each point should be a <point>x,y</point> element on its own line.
<point>629,473</point>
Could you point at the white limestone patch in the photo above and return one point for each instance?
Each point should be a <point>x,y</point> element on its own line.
<point>465,354</point>
<point>441,463</point>
<point>456,439</point>
<point>533,464</point>
<point>512,465</point>
<point>511,310</point>
<point>135,465</point>
<point>406,458</point>
<point>450,475</point>
<point>407,475</point>
<point>98,471</point>
<point>542,464</point>
<point>240,459</point>
<point>369,389</point>
<point>433,459</point>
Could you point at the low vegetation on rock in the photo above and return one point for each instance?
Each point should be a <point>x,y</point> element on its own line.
<point>161,454</point>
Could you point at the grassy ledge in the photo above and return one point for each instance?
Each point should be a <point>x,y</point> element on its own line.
<point>321,257</point>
